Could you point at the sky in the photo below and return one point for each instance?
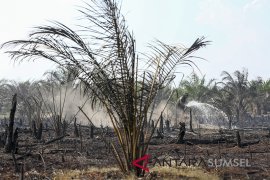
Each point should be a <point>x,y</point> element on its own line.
<point>238,30</point>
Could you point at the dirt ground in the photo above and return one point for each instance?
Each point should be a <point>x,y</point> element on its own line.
<point>43,160</point>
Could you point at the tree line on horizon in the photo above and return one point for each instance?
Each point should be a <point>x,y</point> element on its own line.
<point>234,94</point>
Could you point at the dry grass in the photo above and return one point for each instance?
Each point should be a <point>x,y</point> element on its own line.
<point>93,173</point>
<point>155,173</point>
<point>166,172</point>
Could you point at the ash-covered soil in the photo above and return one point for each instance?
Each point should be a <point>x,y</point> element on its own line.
<point>41,159</point>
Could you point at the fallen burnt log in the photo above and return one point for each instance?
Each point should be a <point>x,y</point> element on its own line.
<point>56,139</point>
<point>30,145</point>
<point>248,143</point>
<point>208,141</point>
<point>29,153</point>
<point>214,141</point>
<point>44,143</point>
<point>54,151</point>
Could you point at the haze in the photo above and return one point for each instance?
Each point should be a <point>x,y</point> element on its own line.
<point>239,31</point>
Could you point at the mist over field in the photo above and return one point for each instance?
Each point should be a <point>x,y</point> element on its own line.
<point>134,89</point>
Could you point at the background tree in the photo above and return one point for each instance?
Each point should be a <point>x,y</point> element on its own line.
<point>197,88</point>
<point>162,95</point>
<point>257,96</point>
<point>265,90</point>
<point>236,90</point>
<point>26,104</point>
<point>53,92</point>
<point>223,100</point>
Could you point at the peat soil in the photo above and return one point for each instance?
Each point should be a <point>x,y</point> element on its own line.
<point>42,159</point>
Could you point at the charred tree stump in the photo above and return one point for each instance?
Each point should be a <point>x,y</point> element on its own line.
<point>2,141</point>
<point>152,127</point>
<point>5,134</point>
<point>190,120</point>
<point>81,140</point>
<point>39,133</point>
<point>238,139</point>
<point>14,141</point>
<point>15,163</point>
<point>64,127</point>
<point>149,124</point>
<point>168,125</point>
<point>76,131</point>
<point>22,173</point>
<point>250,153</point>
<point>63,158</point>
<point>34,129</point>
<point>230,122</point>
<point>58,126</point>
<point>92,131</point>
<point>181,133</point>
<point>161,129</point>
<point>9,143</point>
<point>160,134</point>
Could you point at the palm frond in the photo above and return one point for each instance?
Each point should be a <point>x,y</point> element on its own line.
<point>104,59</point>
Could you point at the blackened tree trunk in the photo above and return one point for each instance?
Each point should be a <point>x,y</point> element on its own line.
<point>64,127</point>
<point>161,124</point>
<point>238,139</point>
<point>34,128</point>
<point>168,125</point>
<point>76,131</point>
<point>181,133</point>
<point>9,143</point>
<point>5,134</point>
<point>14,141</point>
<point>91,131</point>
<point>190,120</point>
<point>39,133</point>
<point>152,126</point>
<point>230,122</point>
<point>58,126</point>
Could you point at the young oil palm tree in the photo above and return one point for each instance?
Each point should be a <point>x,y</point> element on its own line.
<point>265,89</point>
<point>105,60</point>
<point>237,88</point>
<point>223,99</point>
<point>25,96</point>
<point>259,95</point>
<point>53,93</point>
<point>197,88</point>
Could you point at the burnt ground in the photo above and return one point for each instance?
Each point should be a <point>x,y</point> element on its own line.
<point>42,159</point>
